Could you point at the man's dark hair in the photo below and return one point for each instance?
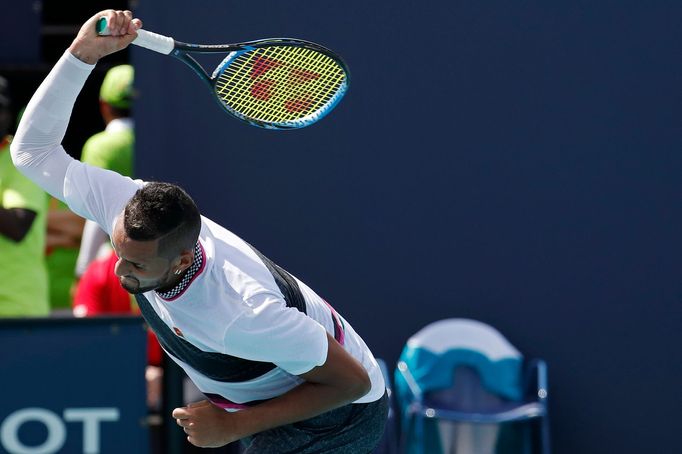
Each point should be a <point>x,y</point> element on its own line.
<point>165,212</point>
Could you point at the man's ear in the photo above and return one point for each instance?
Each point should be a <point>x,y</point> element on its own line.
<point>186,258</point>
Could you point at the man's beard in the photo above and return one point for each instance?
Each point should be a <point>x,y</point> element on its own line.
<point>132,285</point>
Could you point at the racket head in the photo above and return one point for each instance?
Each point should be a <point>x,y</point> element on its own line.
<point>280,83</point>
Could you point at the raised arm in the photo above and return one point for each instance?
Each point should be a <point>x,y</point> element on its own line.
<point>36,149</point>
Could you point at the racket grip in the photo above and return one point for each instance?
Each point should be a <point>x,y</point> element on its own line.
<point>154,41</point>
<point>149,40</point>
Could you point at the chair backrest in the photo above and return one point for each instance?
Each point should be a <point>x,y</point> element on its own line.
<point>467,394</point>
<point>433,354</point>
<point>463,333</point>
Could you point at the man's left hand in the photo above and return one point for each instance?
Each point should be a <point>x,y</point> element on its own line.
<point>206,425</point>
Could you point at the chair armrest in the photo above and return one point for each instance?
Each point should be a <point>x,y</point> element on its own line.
<point>537,369</point>
<point>520,413</point>
<point>409,379</point>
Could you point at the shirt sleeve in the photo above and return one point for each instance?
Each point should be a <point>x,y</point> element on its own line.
<point>98,194</point>
<point>90,192</point>
<point>36,149</point>
<point>271,332</point>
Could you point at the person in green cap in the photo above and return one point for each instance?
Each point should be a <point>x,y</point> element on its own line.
<point>23,278</point>
<point>110,149</point>
<point>113,148</point>
<point>73,245</point>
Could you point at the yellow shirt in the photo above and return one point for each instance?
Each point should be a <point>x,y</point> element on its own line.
<point>23,277</point>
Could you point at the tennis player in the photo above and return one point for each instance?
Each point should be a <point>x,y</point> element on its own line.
<point>292,373</point>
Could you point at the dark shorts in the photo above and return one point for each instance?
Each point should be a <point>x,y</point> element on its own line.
<point>352,429</point>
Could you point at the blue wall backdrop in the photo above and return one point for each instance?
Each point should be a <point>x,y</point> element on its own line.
<point>513,162</point>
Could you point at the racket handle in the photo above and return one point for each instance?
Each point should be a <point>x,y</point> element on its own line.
<point>148,40</point>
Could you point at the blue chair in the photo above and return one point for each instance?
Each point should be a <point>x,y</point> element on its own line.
<point>462,387</point>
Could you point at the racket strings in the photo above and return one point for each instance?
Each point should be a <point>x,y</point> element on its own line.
<point>308,60</point>
<point>278,84</point>
<point>280,104</point>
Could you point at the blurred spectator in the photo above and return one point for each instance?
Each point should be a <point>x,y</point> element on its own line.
<point>23,278</point>
<point>110,149</point>
<point>64,230</point>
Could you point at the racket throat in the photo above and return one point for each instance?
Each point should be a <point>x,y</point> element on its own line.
<point>196,67</point>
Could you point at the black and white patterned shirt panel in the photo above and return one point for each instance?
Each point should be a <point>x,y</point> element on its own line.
<point>187,278</point>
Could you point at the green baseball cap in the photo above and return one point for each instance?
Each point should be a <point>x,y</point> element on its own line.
<point>117,87</point>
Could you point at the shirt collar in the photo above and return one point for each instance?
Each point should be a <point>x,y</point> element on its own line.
<point>119,124</point>
<point>190,273</point>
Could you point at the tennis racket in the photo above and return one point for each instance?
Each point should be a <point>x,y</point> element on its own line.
<point>279,83</point>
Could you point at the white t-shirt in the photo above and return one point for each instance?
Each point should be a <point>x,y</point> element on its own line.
<point>233,306</point>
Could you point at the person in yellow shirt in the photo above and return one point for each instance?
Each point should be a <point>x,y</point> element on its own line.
<point>23,278</point>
